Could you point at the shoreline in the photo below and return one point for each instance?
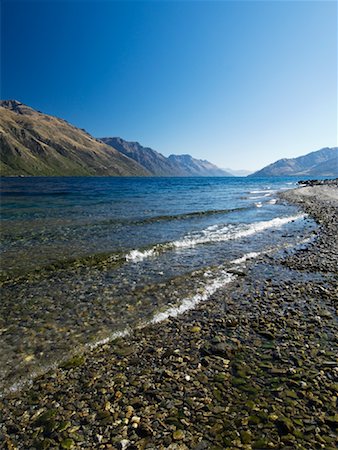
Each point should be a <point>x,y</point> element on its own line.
<point>252,367</point>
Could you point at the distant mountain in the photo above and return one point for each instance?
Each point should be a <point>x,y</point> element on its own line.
<point>33,143</point>
<point>322,162</point>
<point>159,165</point>
<point>196,167</point>
<point>239,172</point>
<point>154,162</point>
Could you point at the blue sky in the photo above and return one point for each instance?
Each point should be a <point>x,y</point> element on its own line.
<point>239,83</point>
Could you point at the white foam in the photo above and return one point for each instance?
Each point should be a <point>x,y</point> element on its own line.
<point>137,255</point>
<point>273,201</point>
<point>265,191</point>
<point>192,302</point>
<point>257,197</point>
<point>118,334</point>
<point>258,205</point>
<point>213,234</point>
<point>261,226</point>
<point>244,258</point>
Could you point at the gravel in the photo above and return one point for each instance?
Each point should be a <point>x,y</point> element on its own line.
<point>254,367</point>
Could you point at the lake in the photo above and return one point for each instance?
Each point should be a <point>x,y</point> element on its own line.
<point>85,260</point>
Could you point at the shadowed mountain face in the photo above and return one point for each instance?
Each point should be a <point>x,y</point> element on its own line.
<point>33,143</point>
<point>322,162</point>
<point>151,160</point>
<point>159,165</point>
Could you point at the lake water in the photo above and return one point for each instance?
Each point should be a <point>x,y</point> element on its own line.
<point>87,259</point>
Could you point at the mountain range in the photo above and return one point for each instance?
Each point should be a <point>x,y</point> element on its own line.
<point>33,143</point>
<point>159,165</point>
<point>321,163</point>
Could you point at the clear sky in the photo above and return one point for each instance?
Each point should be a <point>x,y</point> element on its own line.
<point>240,83</point>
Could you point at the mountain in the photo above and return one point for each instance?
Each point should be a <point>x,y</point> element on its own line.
<point>33,143</point>
<point>159,165</point>
<point>239,172</point>
<point>322,162</point>
<point>151,160</point>
<point>193,167</point>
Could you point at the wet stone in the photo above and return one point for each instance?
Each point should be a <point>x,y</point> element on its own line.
<point>254,367</point>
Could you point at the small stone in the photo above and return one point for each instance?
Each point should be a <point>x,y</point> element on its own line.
<point>261,444</point>
<point>273,417</point>
<point>332,420</point>
<point>284,425</point>
<point>45,417</point>
<point>107,406</point>
<point>67,444</point>
<point>178,435</point>
<point>124,444</point>
<point>129,411</point>
<point>76,361</point>
<point>291,394</point>
<point>246,436</point>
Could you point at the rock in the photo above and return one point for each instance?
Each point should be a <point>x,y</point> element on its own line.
<point>246,436</point>
<point>222,349</point>
<point>203,445</point>
<point>332,420</point>
<point>178,435</point>
<point>67,444</point>
<point>45,417</point>
<point>261,444</point>
<point>284,425</point>
<point>76,361</point>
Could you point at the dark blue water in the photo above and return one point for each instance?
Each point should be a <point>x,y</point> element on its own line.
<point>57,219</point>
<point>84,259</point>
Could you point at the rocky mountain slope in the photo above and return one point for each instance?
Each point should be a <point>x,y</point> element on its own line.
<point>33,143</point>
<point>159,165</point>
<point>322,162</point>
<point>154,162</point>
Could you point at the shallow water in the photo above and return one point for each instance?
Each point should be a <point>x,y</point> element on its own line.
<point>84,259</point>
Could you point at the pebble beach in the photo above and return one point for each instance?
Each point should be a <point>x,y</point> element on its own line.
<point>253,367</point>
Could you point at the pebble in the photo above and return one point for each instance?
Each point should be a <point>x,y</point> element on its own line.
<point>260,375</point>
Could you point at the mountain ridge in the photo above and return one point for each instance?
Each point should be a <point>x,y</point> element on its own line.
<point>323,162</point>
<point>160,165</point>
<point>34,143</point>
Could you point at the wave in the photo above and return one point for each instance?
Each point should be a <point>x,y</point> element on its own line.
<point>117,335</point>
<point>245,257</point>
<point>186,304</point>
<point>265,191</point>
<point>212,234</point>
<point>259,197</point>
<point>169,217</point>
<point>191,302</point>
<point>139,255</point>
